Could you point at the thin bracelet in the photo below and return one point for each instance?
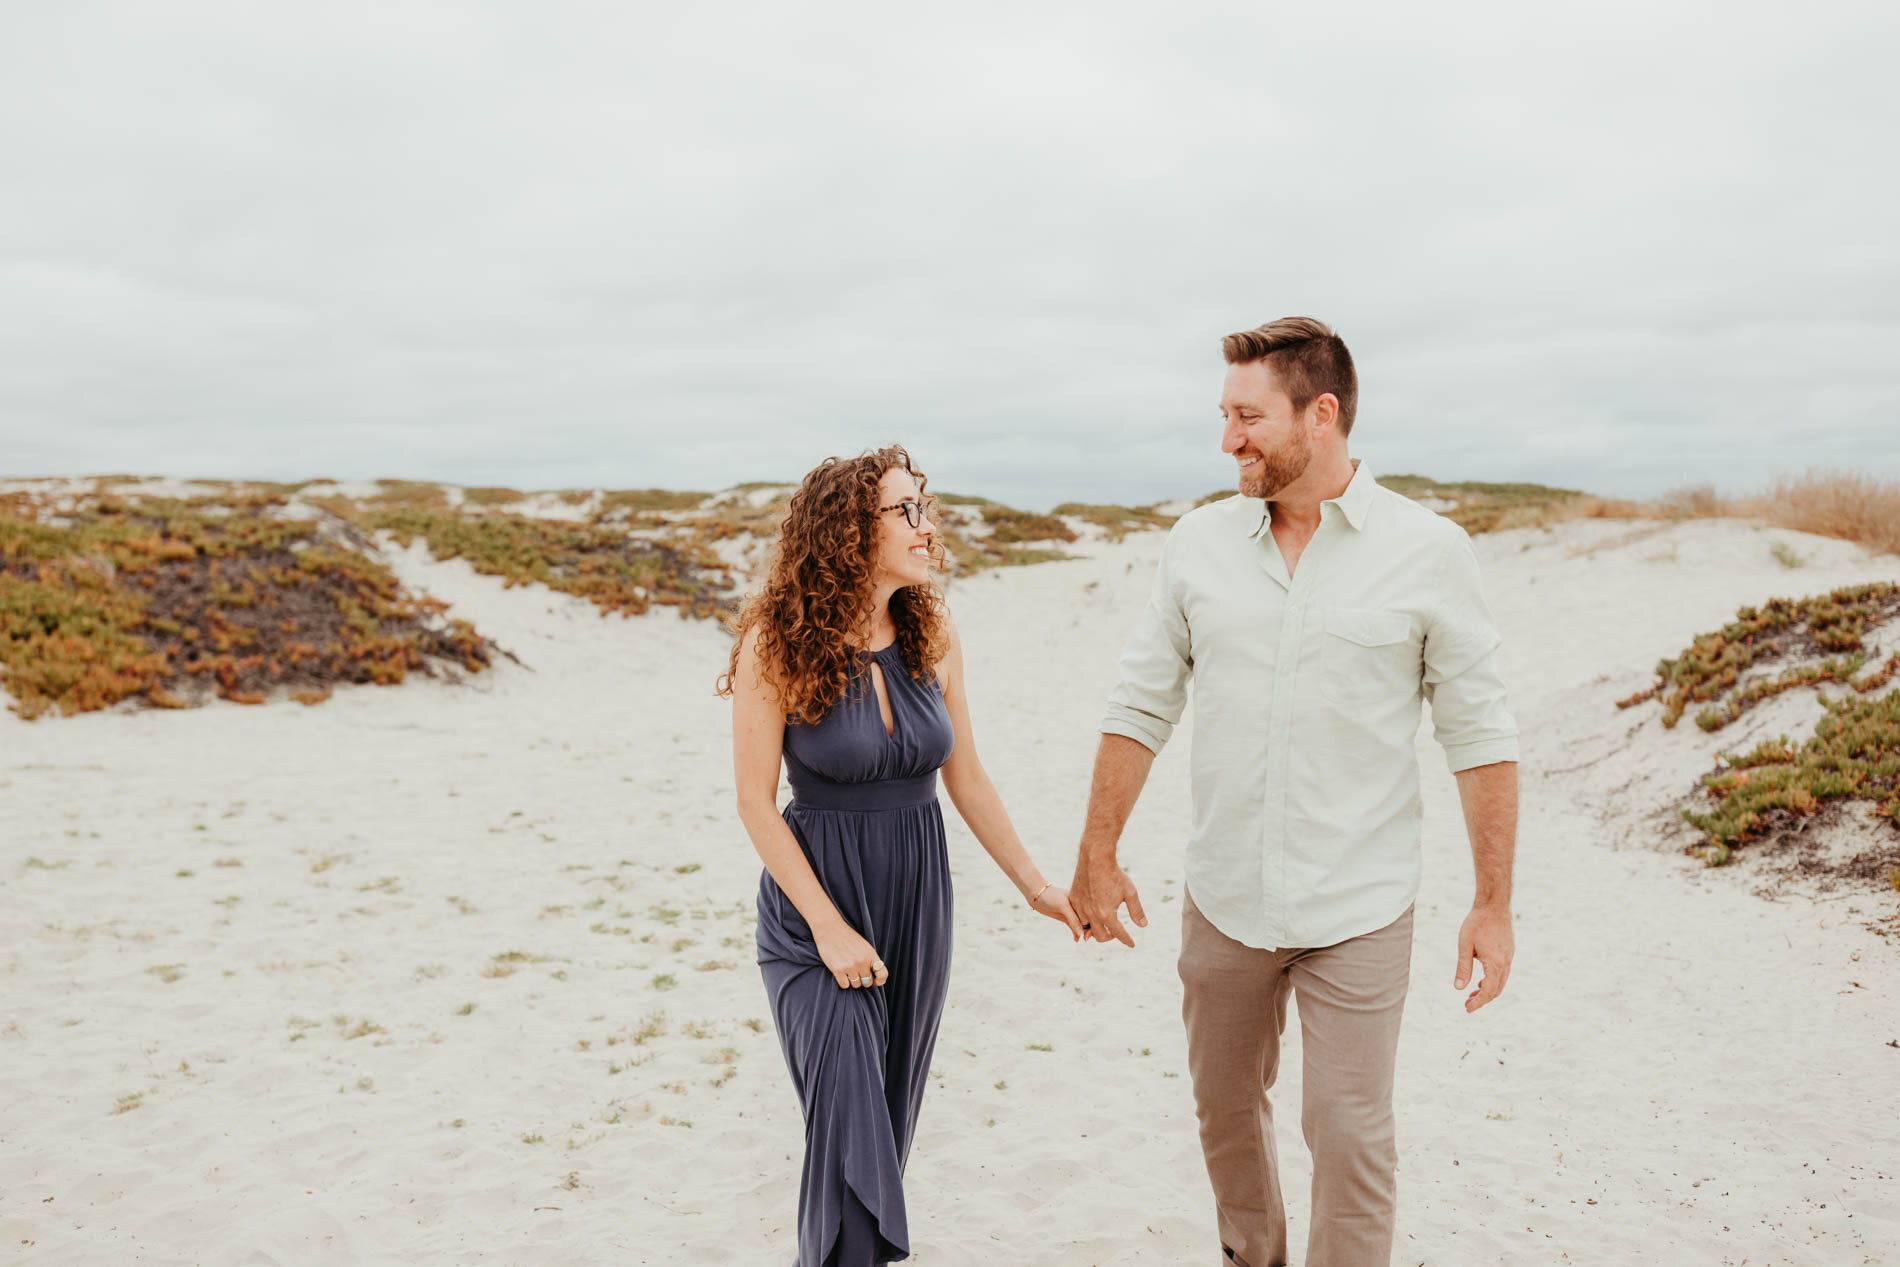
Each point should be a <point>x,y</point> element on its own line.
<point>1039,893</point>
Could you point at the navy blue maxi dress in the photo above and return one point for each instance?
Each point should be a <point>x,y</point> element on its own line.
<point>864,809</point>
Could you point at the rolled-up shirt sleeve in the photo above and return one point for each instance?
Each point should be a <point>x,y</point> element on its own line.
<point>1470,719</point>
<point>1152,691</point>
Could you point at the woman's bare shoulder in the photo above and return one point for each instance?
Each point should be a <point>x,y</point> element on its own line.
<point>952,660</point>
<point>749,668</point>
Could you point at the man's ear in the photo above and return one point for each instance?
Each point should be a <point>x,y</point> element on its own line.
<point>1325,411</point>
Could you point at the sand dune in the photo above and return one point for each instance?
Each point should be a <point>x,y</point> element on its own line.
<point>462,973</point>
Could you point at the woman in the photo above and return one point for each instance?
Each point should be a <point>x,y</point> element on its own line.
<point>848,668</point>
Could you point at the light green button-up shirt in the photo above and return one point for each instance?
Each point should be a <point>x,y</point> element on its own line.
<point>1306,704</point>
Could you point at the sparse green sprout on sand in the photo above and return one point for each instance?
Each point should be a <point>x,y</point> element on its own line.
<point>505,963</point>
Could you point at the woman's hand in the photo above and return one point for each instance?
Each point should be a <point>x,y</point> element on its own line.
<point>852,962</point>
<point>1054,902</point>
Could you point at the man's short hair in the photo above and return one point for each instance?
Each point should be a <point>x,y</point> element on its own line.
<point>1307,360</point>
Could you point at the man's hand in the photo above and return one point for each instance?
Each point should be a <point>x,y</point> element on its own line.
<point>1485,936</point>
<point>1099,890</point>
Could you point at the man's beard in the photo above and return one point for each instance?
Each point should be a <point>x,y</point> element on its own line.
<point>1275,470</point>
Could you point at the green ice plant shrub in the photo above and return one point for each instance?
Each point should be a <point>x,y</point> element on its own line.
<point>1854,752</point>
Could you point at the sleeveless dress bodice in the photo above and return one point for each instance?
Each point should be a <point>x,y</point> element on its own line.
<point>849,744</point>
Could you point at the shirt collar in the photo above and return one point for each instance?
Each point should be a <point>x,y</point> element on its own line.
<point>1355,502</point>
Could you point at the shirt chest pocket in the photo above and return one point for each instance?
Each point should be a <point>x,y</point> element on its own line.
<point>1368,656</point>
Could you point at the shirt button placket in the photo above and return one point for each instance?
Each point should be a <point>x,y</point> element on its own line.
<point>1275,899</point>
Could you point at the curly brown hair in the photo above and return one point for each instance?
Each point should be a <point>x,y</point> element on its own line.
<point>818,590</point>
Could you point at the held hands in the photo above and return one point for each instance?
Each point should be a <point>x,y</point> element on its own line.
<point>852,962</point>
<point>1054,902</point>
<point>1486,937</point>
<point>1099,891</point>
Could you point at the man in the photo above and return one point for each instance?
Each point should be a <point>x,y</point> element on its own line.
<point>1312,612</point>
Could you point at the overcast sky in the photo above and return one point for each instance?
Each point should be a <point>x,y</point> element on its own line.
<point>552,245</point>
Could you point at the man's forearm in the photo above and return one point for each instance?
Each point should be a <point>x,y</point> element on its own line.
<point>1121,768</point>
<point>1489,796</point>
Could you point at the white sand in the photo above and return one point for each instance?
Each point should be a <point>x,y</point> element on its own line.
<point>1680,1073</point>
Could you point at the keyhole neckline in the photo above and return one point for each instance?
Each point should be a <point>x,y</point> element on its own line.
<point>881,698</point>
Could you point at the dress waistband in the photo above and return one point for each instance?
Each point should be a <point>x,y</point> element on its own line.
<point>816,793</point>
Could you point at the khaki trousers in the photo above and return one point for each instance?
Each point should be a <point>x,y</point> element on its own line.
<point>1351,996</point>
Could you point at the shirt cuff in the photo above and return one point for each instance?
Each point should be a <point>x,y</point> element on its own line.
<point>1146,729</point>
<point>1469,756</point>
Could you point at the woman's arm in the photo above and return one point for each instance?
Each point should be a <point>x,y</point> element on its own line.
<point>758,741</point>
<point>976,799</point>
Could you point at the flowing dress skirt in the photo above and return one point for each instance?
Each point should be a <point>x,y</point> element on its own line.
<point>859,1058</point>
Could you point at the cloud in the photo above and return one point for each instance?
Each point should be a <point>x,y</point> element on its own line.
<point>587,244</point>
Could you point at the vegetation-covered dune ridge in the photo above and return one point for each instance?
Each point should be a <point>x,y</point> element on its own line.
<point>82,630</point>
<point>171,593</point>
<point>1847,505</point>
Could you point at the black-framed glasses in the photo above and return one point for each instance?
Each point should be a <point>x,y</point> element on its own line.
<point>914,511</point>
